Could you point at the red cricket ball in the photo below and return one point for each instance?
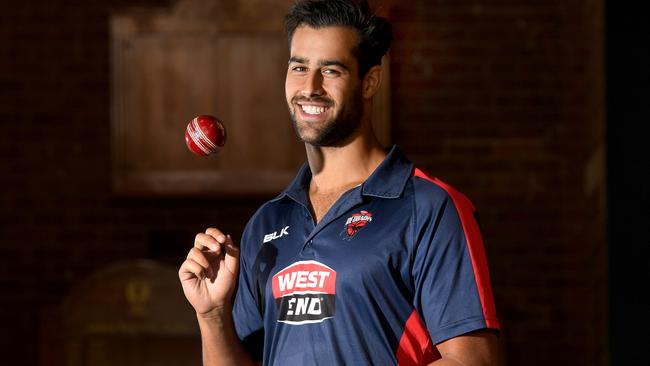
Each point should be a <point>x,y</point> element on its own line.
<point>205,135</point>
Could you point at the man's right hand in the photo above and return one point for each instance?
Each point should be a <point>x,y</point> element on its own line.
<point>209,274</point>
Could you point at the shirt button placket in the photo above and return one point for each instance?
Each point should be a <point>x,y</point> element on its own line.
<point>308,250</point>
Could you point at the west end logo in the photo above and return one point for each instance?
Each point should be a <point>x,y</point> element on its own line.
<point>355,223</point>
<point>305,292</point>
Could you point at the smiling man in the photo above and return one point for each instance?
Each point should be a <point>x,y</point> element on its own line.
<point>324,94</point>
<point>363,259</point>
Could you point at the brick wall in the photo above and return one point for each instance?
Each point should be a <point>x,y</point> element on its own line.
<point>505,101</point>
<point>502,100</point>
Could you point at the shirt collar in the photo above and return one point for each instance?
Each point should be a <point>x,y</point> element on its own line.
<point>387,181</point>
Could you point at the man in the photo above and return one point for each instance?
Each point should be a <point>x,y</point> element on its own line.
<point>363,259</point>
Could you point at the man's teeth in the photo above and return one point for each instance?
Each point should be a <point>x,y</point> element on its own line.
<point>312,109</point>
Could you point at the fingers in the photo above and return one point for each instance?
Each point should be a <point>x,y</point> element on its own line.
<point>216,234</point>
<point>208,247</point>
<point>203,259</point>
<point>207,242</point>
<point>191,269</point>
<point>231,260</point>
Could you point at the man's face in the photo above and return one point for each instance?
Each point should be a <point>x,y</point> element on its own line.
<point>323,88</point>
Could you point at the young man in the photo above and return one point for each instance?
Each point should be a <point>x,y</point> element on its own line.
<point>363,259</point>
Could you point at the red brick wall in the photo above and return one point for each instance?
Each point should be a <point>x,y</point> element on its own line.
<point>503,100</point>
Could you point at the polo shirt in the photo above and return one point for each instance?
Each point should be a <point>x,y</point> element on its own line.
<point>394,267</point>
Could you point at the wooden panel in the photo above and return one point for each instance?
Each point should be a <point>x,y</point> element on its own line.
<point>169,66</point>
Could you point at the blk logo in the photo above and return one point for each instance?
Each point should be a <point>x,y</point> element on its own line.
<point>274,235</point>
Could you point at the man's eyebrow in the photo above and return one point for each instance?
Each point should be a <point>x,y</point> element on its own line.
<point>333,63</point>
<point>300,60</point>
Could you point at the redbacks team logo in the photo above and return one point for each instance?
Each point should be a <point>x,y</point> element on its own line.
<point>305,292</point>
<point>355,223</point>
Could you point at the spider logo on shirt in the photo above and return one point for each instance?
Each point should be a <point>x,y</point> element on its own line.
<point>356,222</point>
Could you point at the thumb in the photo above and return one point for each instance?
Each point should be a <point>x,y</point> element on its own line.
<point>231,259</point>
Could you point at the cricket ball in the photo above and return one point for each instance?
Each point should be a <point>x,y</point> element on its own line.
<point>205,135</point>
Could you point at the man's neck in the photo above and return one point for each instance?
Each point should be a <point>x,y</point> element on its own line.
<point>334,168</point>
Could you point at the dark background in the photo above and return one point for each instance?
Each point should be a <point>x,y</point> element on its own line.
<point>628,128</point>
<point>537,111</point>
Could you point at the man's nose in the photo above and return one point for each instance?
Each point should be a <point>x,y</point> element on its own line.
<point>313,85</point>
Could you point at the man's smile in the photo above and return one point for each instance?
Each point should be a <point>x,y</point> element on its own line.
<point>312,109</point>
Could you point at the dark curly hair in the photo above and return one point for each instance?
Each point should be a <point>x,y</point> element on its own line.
<point>374,32</point>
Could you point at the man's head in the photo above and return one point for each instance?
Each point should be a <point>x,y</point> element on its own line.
<point>374,32</point>
<point>334,69</point>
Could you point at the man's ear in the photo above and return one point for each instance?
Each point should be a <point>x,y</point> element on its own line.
<point>372,81</point>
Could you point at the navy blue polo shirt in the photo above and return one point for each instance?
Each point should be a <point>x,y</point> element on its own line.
<point>396,266</point>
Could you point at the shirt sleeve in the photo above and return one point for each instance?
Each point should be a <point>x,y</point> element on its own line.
<point>452,284</point>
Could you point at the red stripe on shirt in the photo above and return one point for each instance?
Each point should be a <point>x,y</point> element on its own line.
<point>415,346</point>
<point>476,249</point>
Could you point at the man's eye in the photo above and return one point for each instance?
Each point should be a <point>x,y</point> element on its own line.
<point>299,68</point>
<point>331,72</point>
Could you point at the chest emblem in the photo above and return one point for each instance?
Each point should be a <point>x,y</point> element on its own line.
<point>356,222</point>
<point>305,293</point>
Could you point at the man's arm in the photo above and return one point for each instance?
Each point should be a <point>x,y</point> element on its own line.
<point>220,343</point>
<point>479,348</point>
<point>453,287</point>
<point>209,279</point>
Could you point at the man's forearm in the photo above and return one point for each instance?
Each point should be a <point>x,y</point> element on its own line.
<point>478,348</point>
<point>446,362</point>
<point>220,343</point>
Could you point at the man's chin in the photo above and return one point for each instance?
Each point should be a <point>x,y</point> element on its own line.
<point>310,138</point>
<point>322,133</point>
<point>326,141</point>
